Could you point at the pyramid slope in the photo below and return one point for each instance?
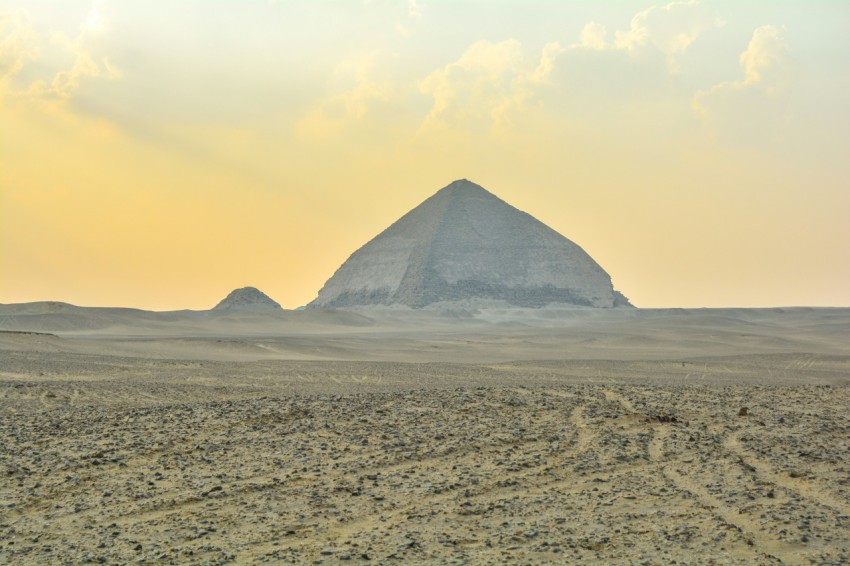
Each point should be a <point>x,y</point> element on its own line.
<point>465,243</point>
<point>247,299</point>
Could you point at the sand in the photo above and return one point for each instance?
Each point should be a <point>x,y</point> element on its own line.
<point>689,437</point>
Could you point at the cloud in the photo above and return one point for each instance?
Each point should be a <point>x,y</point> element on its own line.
<point>764,60</point>
<point>85,65</point>
<point>94,18</point>
<point>594,36</point>
<point>670,29</point>
<point>412,18</point>
<point>18,43</point>
<point>487,83</point>
<point>335,113</point>
<point>414,9</point>
<point>755,104</point>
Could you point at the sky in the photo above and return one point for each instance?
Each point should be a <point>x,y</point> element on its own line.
<point>158,154</point>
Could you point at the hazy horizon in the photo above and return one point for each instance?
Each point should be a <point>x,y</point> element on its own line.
<point>157,155</point>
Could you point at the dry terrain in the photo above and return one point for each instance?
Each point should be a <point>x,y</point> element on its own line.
<point>649,440</point>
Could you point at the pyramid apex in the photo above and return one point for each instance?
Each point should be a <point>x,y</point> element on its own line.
<point>464,183</point>
<point>464,186</point>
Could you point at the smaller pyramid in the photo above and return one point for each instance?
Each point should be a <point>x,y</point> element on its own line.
<point>248,299</point>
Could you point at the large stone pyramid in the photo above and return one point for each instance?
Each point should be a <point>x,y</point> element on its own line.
<point>464,243</point>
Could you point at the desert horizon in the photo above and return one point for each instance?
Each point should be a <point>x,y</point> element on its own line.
<point>482,436</point>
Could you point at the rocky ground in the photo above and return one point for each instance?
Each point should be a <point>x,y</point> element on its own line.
<point>202,463</point>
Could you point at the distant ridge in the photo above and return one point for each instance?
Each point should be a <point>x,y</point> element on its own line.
<point>247,299</point>
<point>466,244</point>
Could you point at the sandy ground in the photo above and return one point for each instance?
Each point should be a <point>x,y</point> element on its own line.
<point>669,441</point>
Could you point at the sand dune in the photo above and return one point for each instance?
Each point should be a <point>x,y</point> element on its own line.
<point>69,320</point>
<point>480,336</point>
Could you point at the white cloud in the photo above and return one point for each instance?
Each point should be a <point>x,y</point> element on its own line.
<point>18,43</point>
<point>487,83</point>
<point>594,36</point>
<point>336,112</point>
<point>765,66</point>
<point>94,18</point>
<point>414,9</point>
<point>412,18</point>
<point>765,57</point>
<point>86,64</point>
<point>756,103</point>
<point>670,29</point>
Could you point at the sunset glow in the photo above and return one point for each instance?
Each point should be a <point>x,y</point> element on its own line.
<point>158,154</point>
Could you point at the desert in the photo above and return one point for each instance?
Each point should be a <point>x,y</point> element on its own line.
<point>634,436</point>
<point>422,282</point>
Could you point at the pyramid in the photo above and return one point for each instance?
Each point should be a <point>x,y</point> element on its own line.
<point>247,299</point>
<point>464,243</point>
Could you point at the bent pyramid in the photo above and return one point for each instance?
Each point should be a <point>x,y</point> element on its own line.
<point>466,243</point>
<point>247,299</point>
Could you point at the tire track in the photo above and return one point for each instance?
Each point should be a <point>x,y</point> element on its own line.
<point>779,551</point>
<point>612,395</point>
<point>766,471</point>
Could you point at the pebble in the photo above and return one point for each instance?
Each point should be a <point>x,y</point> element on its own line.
<point>499,472</point>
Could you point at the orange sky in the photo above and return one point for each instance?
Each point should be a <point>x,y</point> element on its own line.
<point>158,154</point>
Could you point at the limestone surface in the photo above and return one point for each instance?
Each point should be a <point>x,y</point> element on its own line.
<point>465,243</point>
